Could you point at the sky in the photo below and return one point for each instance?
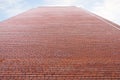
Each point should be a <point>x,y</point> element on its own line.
<point>109,9</point>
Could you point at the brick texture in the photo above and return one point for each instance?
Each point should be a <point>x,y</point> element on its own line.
<point>59,43</point>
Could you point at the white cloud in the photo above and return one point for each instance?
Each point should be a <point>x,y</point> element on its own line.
<point>12,7</point>
<point>109,9</point>
<point>61,2</point>
<point>7,3</point>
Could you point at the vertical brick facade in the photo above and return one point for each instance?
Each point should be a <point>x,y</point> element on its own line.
<point>59,43</point>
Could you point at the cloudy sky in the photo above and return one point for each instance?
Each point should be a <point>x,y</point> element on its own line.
<point>109,9</point>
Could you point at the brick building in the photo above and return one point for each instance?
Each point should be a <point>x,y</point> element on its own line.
<point>59,43</point>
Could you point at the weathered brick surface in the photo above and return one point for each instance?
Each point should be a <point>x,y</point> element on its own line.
<point>59,43</point>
